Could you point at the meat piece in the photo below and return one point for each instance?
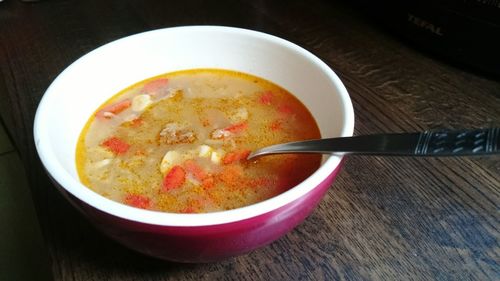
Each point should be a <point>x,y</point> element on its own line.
<point>174,133</point>
<point>220,134</point>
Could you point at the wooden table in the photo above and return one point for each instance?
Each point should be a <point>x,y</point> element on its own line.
<point>384,217</point>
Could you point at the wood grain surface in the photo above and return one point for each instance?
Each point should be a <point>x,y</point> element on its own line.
<point>385,218</point>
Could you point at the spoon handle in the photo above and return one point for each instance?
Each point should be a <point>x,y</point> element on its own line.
<point>428,143</point>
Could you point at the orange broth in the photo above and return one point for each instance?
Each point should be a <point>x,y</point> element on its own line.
<point>178,142</point>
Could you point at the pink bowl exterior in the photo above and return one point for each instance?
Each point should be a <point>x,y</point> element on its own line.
<point>205,243</point>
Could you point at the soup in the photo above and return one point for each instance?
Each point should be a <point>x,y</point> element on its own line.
<point>178,142</point>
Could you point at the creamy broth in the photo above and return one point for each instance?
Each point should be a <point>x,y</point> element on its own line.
<point>178,142</point>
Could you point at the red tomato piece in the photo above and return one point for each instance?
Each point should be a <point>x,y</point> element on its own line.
<point>285,109</point>
<point>115,108</point>
<point>235,156</point>
<point>196,170</point>
<point>137,200</point>
<point>238,127</point>
<point>208,182</point>
<point>116,145</point>
<point>155,85</point>
<point>175,178</point>
<point>266,98</point>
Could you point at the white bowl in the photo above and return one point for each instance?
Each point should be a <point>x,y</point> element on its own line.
<point>88,82</point>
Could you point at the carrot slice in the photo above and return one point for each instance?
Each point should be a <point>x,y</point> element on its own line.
<point>155,85</point>
<point>208,182</point>
<point>237,128</point>
<point>116,145</point>
<point>174,178</point>
<point>137,200</point>
<point>196,170</point>
<point>115,108</point>
<point>266,98</point>
<point>235,156</point>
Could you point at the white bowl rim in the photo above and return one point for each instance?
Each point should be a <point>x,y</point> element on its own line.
<point>77,189</point>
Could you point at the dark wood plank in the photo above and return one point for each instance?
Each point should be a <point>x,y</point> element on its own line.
<point>384,218</point>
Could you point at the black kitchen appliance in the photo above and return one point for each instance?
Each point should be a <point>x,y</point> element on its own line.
<point>466,32</point>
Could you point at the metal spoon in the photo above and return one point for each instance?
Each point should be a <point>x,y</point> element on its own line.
<point>428,143</point>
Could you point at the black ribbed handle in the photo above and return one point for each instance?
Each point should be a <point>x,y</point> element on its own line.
<point>449,143</point>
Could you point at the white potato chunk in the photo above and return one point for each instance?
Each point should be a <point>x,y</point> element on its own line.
<point>205,150</point>
<point>170,159</point>
<point>102,163</point>
<point>241,114</point>
<point>216,156</point>
<point>141,102</point>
